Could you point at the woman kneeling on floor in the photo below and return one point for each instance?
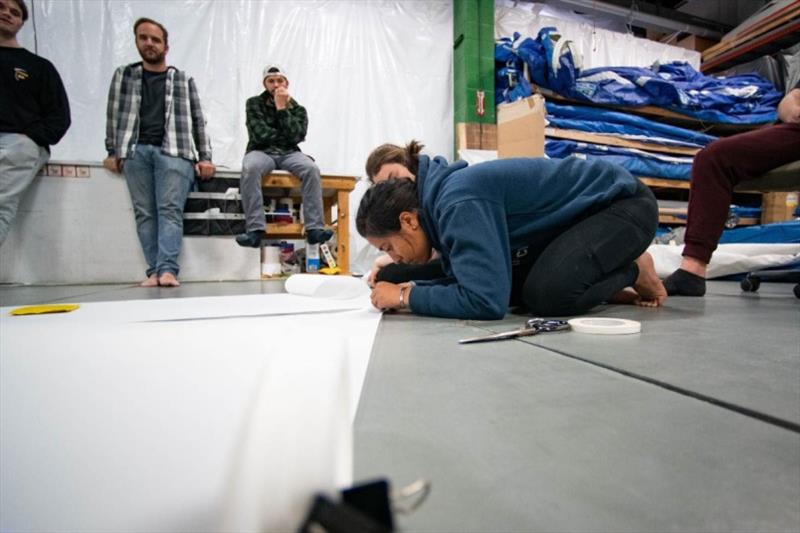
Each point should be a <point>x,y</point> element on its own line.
<point>557,236</point>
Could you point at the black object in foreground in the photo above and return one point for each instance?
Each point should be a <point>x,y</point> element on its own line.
<point>532,326</point>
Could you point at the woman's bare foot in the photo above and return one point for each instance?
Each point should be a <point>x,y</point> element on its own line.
<point>152,281</point>
<point>649,287</point>
<point>168,279</point>
<point>626,296</point>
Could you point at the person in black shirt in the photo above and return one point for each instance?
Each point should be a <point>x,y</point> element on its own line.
<point>34,112</point>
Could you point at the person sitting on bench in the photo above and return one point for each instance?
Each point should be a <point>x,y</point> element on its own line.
<point>276,124</point>
<point>716,170</point>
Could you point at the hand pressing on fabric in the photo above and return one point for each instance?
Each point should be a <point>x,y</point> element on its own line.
<point>377,265</point>
<point>281,98</point>
<point>205,169</point>
<point>387,295</point>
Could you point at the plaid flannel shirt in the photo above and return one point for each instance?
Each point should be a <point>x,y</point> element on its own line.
<point>273,131</point>
<point>185,134</point>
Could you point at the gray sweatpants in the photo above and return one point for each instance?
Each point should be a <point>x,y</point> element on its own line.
<point>256,164</point>
<point>20,161</point>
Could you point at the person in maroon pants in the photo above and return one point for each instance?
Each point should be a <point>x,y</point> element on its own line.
<point>717,169</point>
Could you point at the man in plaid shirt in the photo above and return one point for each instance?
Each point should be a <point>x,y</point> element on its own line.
<point>155,136</point>
<point>276,124</point>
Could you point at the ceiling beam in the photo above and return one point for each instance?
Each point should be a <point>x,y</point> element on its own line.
<point>649,15</point>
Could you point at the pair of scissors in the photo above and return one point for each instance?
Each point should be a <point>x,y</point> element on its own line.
<point>531,327</point>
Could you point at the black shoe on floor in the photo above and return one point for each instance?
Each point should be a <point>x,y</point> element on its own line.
<point>251,239</point>
<point>316,236</point>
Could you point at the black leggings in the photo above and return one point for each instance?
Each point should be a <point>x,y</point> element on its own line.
<point>583,266</point>
<point>590,261</point>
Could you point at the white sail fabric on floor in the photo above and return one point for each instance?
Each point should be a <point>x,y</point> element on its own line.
<point>193,414</point>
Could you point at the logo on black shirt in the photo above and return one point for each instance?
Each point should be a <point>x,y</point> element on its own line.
<point>20,74</point>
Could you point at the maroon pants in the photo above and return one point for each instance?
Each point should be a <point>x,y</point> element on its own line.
<point>719,167</point>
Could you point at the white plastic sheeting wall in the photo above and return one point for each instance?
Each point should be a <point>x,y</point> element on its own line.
<point>599,47</point>
<point>367,72</point>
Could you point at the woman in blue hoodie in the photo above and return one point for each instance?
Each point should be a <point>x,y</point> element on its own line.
<point>557,236</point>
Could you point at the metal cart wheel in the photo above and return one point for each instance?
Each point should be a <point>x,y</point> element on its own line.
<point>750,283</point>
<point>732,221</point>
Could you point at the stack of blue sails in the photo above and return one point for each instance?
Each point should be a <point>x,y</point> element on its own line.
<point>778,232</point>
<point>624,125</point>
<point>602,123</point>
<point>638,162</point>
<point>553,64</point>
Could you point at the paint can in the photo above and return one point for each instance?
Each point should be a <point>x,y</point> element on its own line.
<point>270,261</point>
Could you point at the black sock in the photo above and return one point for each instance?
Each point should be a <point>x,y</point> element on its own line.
<point>683,283</point>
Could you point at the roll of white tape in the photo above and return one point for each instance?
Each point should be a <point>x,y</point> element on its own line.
<point>605,326</point>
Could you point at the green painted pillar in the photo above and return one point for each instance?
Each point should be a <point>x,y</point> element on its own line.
<point>473,74</point>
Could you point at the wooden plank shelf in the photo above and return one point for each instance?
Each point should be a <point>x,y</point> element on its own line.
<point>613,140</point>
<point>336,193</point>
<point>674,220</point>
<point>287,231</point>
<point>779,38</point>
<point>655,113</point>
<point>656,183</point>
<point>772,32</point>
<point>678,215</point>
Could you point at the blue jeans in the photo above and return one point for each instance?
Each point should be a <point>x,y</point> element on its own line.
<point>159,185</point>
<point>257,164</point>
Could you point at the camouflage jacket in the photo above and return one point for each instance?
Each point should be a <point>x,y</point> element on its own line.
<point>273,131</point>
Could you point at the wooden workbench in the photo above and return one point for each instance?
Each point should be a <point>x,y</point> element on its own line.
<point>335,192</point>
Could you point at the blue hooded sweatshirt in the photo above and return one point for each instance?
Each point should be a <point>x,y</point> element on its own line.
<point>476,216</point>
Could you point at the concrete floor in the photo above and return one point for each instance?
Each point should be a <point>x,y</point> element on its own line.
<point>692,425</point>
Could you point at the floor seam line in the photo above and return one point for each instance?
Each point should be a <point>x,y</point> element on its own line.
<point>758,415</point>
<point>72,298</point>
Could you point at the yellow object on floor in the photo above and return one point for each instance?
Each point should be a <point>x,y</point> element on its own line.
<point>330,270</point>
<point>326,253</point>
<point>44,309</point>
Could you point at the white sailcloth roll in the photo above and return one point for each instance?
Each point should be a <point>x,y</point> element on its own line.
<point>334,287</point>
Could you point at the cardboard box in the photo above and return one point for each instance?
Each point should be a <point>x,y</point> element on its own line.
<point>476,136</point>
<point>693,42</point>
<point>520,128</point>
